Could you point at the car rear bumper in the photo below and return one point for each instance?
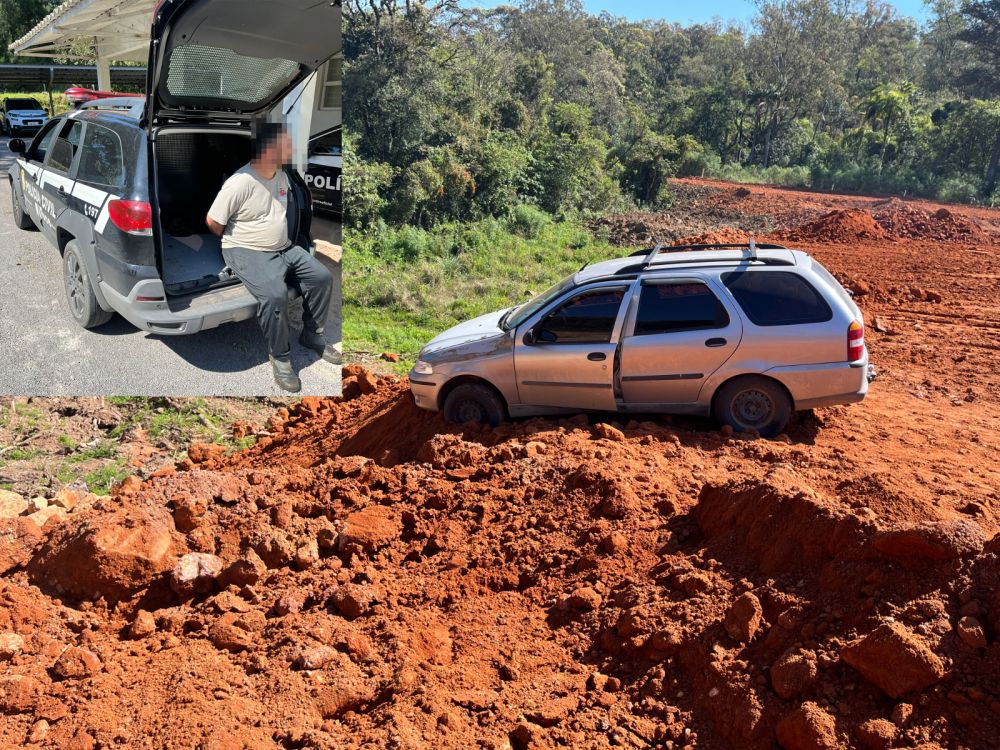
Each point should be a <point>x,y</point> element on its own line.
<point>827,384</point>
<point>181,316</point>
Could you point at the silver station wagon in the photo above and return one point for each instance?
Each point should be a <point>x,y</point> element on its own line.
<point>745,333</point>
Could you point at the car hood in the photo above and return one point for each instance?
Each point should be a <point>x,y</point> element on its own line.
<point>232,58</point>
<point>28,113</point>
<point>471,337</point>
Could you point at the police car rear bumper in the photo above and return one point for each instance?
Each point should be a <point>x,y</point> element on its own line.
<point>148,308</point>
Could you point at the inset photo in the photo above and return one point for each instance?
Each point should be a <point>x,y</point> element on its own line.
<point>173,219</point>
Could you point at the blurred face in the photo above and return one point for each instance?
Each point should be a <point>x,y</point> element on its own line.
<point>278,150</point>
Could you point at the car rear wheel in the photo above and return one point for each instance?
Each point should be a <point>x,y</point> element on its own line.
<point>474,403</point>
<point>83,304</point>
<point>21,219</point>
<point>754,403</point>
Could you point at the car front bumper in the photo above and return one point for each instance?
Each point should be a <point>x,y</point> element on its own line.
<point>426,390</point>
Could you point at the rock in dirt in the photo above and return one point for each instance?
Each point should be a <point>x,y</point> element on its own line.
<point>316,657</point>
<point>876,734</point>
<point>18,539</point>
<point>244,572</point>
<point>971,631</point>
<point>143,626</point>
<point>76,663</point>
<point>744,618</point>
<point>947,540</point>
<point>12,504</point>
<point>346,688</point>
<point>195,573</point>
<point>107,555</point>
<point>894,660</point>
<point>11,644</point>
<point>793,673</point>
<point>227,634</point>
<point>608,432</point>
<point>584,599</point>
<point>354,600</point>
<point>370,529</point>
<point>18,693</point>
<point>808,727</point>
<point>49,516</point>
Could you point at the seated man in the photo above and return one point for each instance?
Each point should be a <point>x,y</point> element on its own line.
<point>249,215</point>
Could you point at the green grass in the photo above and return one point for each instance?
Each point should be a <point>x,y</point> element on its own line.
<point>404,286</point>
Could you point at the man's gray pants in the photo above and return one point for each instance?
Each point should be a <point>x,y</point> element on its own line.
<point>267,276</point>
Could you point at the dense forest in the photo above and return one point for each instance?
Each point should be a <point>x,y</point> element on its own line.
<point>458,114</point>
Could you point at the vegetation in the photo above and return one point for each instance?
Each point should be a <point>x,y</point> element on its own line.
<point>458,114</point>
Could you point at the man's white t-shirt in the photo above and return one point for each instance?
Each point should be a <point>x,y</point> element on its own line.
<point>253,211</point>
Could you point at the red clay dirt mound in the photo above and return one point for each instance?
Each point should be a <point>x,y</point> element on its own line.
<point>724,236</point>
<point>903,221</point>
<point>840,226</point>
<point>364,577</point>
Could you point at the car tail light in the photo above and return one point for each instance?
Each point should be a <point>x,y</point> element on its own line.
<point>133,217</point>
<point>855,341</point>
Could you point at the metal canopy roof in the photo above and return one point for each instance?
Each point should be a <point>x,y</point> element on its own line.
<point>35,77</point>
<point>120,29</point>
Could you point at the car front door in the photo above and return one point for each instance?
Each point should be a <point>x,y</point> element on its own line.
<point>680,333</point>
<point>564,356</point>
<point>31,170</point>
<point>55,181</point>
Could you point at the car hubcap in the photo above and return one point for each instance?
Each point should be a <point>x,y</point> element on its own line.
<point>752,408</point>
<point>74,285</point>
<point>470,411</point>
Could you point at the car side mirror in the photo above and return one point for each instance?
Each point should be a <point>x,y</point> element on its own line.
<point>16,145</point>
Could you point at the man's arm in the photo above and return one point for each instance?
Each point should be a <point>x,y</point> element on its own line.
<point>215,227</point>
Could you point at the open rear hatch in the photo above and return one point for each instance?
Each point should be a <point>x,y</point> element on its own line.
<point>232,59</point>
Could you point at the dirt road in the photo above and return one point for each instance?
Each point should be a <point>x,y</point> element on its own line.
<point>366,576</point>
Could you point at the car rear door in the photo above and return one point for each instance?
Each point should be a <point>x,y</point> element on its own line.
<point>682,330</point>
<point>232,59</point>
<point>564,356</point>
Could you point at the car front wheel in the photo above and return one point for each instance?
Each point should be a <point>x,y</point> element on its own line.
<point>21,219</point>
<point>83,304</point>
<point>474,403</point>
<point>754,403</point>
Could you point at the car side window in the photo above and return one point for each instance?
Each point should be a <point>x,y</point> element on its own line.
<point>777,298</point>
<point>587,318</point>
<point>674,307</point>
<point>40,148</point>
<point>65,146</point>
<point>102,161</point>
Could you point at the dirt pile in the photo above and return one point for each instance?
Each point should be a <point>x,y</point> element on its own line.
<point>366,576</point>
<point>903,221</point>
<point>724,236</point>
<point>840,226</point>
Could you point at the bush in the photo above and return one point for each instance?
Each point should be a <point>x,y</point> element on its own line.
<point>960,190</point>
<point>365,185</point>
<point>528,221</point>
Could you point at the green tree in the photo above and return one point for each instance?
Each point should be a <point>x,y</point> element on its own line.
<point>18,17</point>
<point>888,106</point>
<point>982,33</point>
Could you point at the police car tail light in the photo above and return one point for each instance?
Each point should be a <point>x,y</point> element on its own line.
<point>132,217</point>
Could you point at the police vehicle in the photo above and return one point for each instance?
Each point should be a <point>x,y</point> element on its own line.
<point>121,187</point>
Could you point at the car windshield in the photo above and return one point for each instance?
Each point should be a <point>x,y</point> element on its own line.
<point>520,314</point>
<point>15,104</point>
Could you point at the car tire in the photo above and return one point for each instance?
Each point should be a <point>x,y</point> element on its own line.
<point>474,403</point>
<point>83,304</point>
<point>21,218</point>
<point>754,403</point>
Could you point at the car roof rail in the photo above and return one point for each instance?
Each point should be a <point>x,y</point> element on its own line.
<point>750,245</point>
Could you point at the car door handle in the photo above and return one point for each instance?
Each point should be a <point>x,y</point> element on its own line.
<point>597,356</point>
<point>716,342</point>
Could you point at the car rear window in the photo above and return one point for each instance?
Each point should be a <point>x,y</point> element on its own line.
<point>777,298</point>
<point>102,161</point>
<point>211,74</point>
<point>672,307</point>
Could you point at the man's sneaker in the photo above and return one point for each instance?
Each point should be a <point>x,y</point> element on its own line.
<point>285,376</point>
<point>316,342</point>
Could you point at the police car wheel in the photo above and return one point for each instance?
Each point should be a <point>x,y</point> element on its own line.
<point>83,304</point>
<point>21,219</point>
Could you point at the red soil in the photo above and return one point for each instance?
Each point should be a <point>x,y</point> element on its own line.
<point>367,576</point>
